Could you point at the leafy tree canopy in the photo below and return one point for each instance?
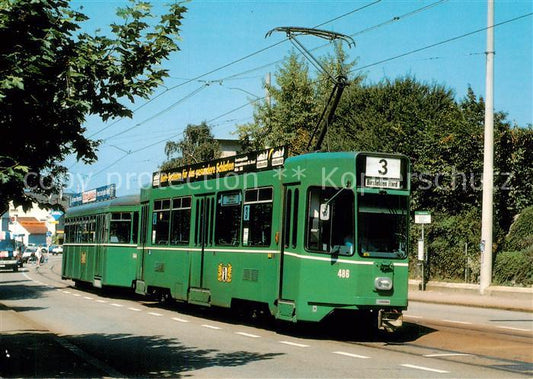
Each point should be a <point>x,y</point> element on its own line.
<point>52,76</point>
<point>197,145</point>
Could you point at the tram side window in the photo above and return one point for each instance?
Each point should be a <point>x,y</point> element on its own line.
<point>180,226</point>
<point>78,231</point>
<point>330,220</point>
<point>120,227</point>
<point>90,230</point>
<point>228,219</point>
<point>84,234</point>
<point>72,231</point>
<point>135,229</point>
<point>68,229</point>
<point>161,222</point>
<point>257,217</point>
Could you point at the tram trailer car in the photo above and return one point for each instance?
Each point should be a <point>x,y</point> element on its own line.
<point>100,246</point>
<point>326,232</point>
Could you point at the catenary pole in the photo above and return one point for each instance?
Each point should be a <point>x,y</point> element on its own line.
<point>488,158</point>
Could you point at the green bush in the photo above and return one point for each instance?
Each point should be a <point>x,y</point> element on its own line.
<point>514,268</point>
<point>520,235</point>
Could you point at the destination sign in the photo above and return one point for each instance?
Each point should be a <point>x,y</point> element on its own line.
<point>383,172</point>
<point>235,165</point>
<point>93,195</point>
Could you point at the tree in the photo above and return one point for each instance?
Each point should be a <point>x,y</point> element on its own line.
<point>197,145</point>
<point>290,116</point>
<point>52,77</point>
<point>297,102</point>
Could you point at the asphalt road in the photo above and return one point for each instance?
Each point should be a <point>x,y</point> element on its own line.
<point>50,329</point>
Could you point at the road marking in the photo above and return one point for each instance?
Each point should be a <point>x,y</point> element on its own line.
<point>444,355</point>
<point>88,298</point>
<point>155,314</point>
<point>351,355</point>
<point>247,335</point>
<point>134,309</point>
<point>101,301</point>
<point>511,328</point>
<point>425,368</point>
<point>411,316</point>
<point>458,322</point>
<point>76,294</point>
<point>116,305</point>
<point>65,291</point>
<point>293,344</point>
<point>211,327</point>
<point>179,319</point>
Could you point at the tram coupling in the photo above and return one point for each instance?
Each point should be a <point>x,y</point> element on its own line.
<point>390,320</point>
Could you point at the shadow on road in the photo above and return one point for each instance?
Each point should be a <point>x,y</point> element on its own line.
<point>159,356</point>
<point>33,354</point>
<point>97,355</point>
<point>21,290</point>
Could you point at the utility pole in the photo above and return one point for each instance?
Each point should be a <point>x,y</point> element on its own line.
<point>488,159</point>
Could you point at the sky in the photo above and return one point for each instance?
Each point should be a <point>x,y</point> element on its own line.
<point>224,58</point>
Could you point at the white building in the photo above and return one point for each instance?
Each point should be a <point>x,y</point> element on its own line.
<point>33,226</point>
<point>229,147</point>
<point>29,230</point>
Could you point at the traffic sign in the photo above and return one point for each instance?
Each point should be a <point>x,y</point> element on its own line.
<point>422,217</point>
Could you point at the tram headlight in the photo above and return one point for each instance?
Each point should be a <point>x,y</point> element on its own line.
<point>382,283</point>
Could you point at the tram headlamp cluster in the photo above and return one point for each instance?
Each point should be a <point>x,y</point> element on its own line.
<point>383,283</point>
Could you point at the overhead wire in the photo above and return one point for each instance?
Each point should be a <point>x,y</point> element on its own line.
<point>441,42</point>
<point>196,91</point>
<point>366,30</point>
<point>228,65</point>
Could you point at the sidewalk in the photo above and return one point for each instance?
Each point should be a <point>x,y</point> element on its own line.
<point>509,298</point>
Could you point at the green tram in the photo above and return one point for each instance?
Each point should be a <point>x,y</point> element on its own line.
<point>302,237</point>
<point>101,242</point>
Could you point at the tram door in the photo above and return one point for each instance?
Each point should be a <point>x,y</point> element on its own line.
<point>203,238</point>
<point>143,230</point>
<point>102,222</point>
<point>291,207</point>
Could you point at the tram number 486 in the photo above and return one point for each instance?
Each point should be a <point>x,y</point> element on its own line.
<point>343,273</point>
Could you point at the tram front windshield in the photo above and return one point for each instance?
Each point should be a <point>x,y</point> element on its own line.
<point>382,225</point>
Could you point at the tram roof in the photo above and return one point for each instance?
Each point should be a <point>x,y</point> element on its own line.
<point>122,201</point>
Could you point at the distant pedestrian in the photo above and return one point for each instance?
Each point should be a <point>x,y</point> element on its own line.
<point>39,255</point>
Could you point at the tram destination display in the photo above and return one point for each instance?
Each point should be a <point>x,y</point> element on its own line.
<point>383,172</point>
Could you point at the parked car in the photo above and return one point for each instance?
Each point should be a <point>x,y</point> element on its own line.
<point>8,255</point>
<point>29,254</point>
<point>55,249</point>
